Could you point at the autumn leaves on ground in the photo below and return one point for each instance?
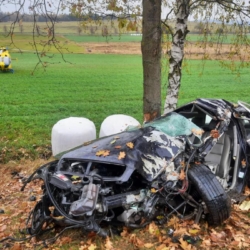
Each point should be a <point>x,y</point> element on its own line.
<point>175,234</point>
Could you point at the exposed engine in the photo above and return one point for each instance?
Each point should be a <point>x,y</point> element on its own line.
<point>79,192</point>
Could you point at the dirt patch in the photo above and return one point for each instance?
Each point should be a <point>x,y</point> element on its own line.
<point>192,50</point>
<point>113,48</point>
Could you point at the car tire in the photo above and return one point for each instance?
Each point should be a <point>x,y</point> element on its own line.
<point>211,193</point>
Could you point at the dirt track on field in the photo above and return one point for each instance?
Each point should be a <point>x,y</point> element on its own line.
<point>113,48</point>
<point>192,51</point>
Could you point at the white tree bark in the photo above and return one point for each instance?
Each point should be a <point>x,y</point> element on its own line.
<point>176,55</point>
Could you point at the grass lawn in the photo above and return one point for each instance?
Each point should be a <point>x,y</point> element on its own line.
<point>91,86</point>
<point>215,38</point>
<point>25,43</point>
<point>213,81</point>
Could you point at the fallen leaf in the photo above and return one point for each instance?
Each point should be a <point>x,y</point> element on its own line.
<point>112,142</point>
<point>3,228</point>
<point>124,232</point>
<point>91,235</point>
<point>217,236</point>
<point>245,245</point>
<point>108,244</point>
<point>92,247</point>
<point>102,153</point>
<point>245,205</point>
<point>243,163</point>
<point>197,226</point>
<point>239,237</point>
<point>182,175</point>
<point>75,177</point>
<point>193,231</point>
<point>180,231</point>
<point>122,155</point>
<point>163,247</point>
<point>58,217</point>
<point>184,244</point>
<point>65,240</point>
<point>247,191</point>
<point>16,246</point>
<point>84,247</point>
<point>214,133</point>
<point>136,241</point>
<point>167,241</point>
<point>235,243</point>
<point>174,221</point>
<point>149,116</point>
<point>118,147</point>
<point>183,164</point>
<point>197,131</point>
<point>206,243</point>
<point>106,153</point>
<point>148,245</point>
<point>130,145</point>
<point>154,229</point>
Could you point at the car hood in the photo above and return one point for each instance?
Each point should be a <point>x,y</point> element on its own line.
<point>146,149</point>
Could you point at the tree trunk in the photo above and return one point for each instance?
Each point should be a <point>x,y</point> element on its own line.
<point>176,55</point>
<point>151,58</point>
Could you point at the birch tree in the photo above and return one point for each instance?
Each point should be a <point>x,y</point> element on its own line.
<point>227,14</point>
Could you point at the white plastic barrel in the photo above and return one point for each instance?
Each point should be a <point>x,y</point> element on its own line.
<point>71,132</point>
<point>114,124</point>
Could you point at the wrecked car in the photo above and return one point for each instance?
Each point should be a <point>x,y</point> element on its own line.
<point>190,163</point>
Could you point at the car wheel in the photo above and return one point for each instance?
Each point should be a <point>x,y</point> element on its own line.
<point>211,193</point>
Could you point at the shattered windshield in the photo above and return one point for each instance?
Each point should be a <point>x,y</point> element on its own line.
<point>174,124</point>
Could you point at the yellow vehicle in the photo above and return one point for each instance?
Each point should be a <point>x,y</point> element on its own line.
<point>5,61</point>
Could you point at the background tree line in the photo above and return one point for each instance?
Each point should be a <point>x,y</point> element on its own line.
<point>12,17</point>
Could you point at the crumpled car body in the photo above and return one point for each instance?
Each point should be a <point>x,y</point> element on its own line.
<point>227,154</point>
<point>190,163</point>
<point>151,147</point>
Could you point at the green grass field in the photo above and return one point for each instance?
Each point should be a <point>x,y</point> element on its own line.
<point>84,38</point>
<point>69,31</point>
<point>214,38</point>
<point>91,86</point>
<point>74,41</point>
<point>25,43</point>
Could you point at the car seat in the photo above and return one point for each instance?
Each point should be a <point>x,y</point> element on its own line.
<point>219,158</point>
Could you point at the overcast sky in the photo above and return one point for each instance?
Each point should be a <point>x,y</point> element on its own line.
<point>11,7</point>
